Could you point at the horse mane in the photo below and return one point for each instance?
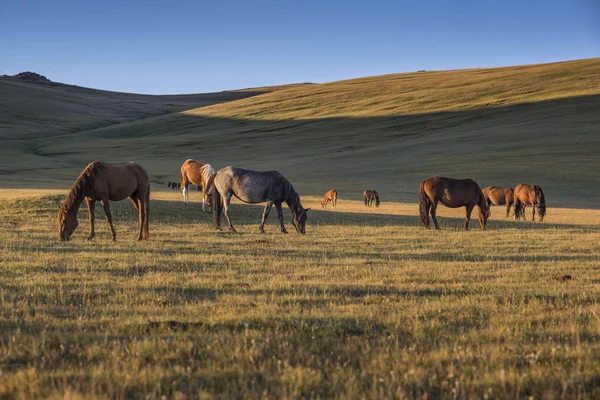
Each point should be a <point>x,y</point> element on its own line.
<point>291,196</point>
<point>207,173</point>
<point>81,186</point>
<point>539,192</point>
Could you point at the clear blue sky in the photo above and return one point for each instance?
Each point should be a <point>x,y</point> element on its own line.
<point>197,46</point>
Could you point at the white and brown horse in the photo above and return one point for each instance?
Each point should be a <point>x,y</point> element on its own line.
<point>199,174</point>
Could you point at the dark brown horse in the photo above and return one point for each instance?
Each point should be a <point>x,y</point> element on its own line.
<point>452,193</point>
<point>499,197</point>
<point>529,194</point>
<point>106,182</point>
<point>331,195</point>
<point>369,196</point>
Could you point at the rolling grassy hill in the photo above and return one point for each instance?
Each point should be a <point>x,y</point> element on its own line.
<point>537,124</point>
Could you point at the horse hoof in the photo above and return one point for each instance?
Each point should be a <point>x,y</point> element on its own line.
<point>284,232</point>
<point>90,238</point>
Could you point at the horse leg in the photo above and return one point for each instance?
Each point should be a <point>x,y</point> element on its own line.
<point>523,207</point>
<point>433,211</point>
<point>508,205</point>
<point>468,216</point>
<point>533,214</point>
<point>91,207</point>
<point>226,201</point>
<point>266,212</point>
<point>427,209</point>
<point>185,195</point>
<point>109,218</point>
<point>137,203</point>
<point>280,216</point>
<point>145,202</point>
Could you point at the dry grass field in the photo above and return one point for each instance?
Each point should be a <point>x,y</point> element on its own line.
<point>367,304</point>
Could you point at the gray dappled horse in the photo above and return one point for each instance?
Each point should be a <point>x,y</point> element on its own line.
<point>257,187</point>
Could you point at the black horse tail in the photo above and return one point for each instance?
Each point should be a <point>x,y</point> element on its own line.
<point>423,204</point>
<point>518,209</point>
<point>216,208</point>
<point>539,194</point>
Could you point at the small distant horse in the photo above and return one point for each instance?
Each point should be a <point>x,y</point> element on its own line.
<point>529,194</point>
<point>199,174</point>
<point>370,196</point>
<point>331,195</point>
<point>499,197</point>
<point>257,187</point>
<point>169,185</point>
<point>452,193</point>
<point>106,182</point>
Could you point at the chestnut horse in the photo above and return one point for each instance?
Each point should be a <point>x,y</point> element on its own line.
<point>529,194</point>
<point>331,195</point>
<point>452,193</point>
<point>106,182</point>
<point>199,174</point>
<point>369,196</point>
<point>499,197</point>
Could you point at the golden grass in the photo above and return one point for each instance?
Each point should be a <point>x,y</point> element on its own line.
<point>366,305</point>
<point>419,92</point>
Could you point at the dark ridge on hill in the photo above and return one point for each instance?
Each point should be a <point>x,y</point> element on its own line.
<point>32,77</point>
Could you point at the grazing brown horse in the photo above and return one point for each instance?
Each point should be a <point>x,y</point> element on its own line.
<point>106,182</point>
<point>370,196</point>
<point>331,195</point>
<point>452,193</point>
<point>529,194</point>
<point>199,174</point>
<point>499,197</point>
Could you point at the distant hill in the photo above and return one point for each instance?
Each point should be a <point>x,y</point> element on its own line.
<point>501,126</point>
<point>50,108</point>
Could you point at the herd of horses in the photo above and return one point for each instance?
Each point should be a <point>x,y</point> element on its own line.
<point>106,182</point>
